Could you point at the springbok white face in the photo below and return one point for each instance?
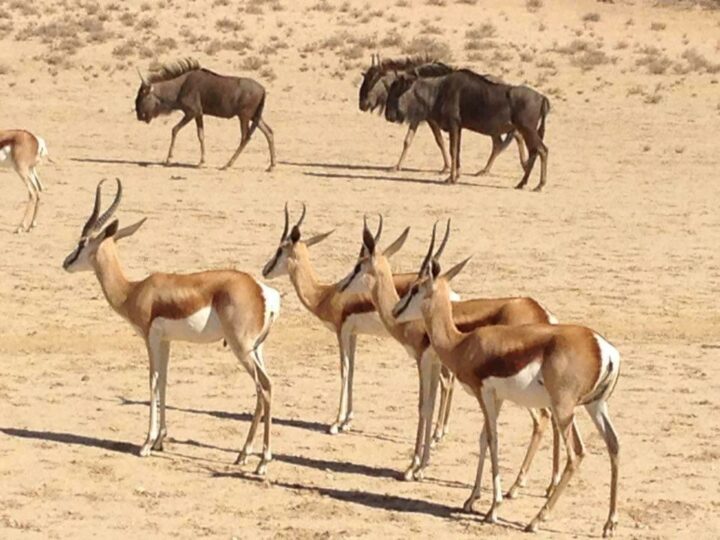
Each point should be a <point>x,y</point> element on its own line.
<point>278,263</point>
<point>93,234</point>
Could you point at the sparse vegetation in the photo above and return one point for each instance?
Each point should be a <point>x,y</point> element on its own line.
<point>533,5</point>
<point>228,25</point>
<point>657,26</point>
<point>591,17</point>
<point>429,46</point>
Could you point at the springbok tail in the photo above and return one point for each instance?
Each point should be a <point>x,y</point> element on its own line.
<point>257,116</point>
<point>43,150</point>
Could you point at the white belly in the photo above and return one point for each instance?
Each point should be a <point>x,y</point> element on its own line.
<point>366,324</point>
<point>6,159</point>
<point>524,388</point>
<point>203,326</point>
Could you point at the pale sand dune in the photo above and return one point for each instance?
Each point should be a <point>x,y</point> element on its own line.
<point>625,239</point>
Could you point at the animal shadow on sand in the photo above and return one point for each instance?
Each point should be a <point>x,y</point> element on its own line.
<point>353,167</point>
<point>401,179</point>
<point>245,417</point>
<point>72,438</point>
<point>139,163</point>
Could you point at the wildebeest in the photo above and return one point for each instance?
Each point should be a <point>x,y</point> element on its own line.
<point>183,85</point>
<point>464,99</point>
<point>22,151</point>
<point>378,78</point>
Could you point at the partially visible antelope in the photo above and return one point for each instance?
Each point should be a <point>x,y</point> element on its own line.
<point>22,151</point>
<point>183,85</point>
<point>536,365</point>
<point>373,271</point>
<point>203,307</point>
<point>346,315</point>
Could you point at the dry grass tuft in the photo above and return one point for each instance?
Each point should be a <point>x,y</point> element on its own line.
<point>423,45</point>
<point>533,5</point>
<point>591,17</point>
<point>657,26</point>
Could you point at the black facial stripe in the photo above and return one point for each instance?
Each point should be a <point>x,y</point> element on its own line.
<point>404,306</point>
<point>269,267</point>
<point>354,274</point>
<point>75,254</point>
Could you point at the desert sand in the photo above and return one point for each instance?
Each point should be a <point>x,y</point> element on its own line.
<point>624,239</point>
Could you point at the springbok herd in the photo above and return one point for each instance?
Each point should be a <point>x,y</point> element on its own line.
<point>498,349</point>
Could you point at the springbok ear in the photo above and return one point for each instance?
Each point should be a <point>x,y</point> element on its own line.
<point>129,230</point>
<point>455,270</point>
<point>295,234</point>
<point>318,238</point>
<point>397,245</point>
<point>111,229</point>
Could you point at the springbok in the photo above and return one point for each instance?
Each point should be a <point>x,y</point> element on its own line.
<point>464,99</point>
<point>203,307</point>
<point>347,315</point>
<point>184,85</point>
<point>373,272</point>
<point>22,151</point>
<point>536,365</point>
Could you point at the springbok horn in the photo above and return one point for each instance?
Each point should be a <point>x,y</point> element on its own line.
<point>378,58</point>
<point>368,240</point>
<point>142,77</point>
<point>302,217</point>
<point>372,60</point>
<point>430,251</point>
<point>89,224</point>
<point>286,228</point>
<point>110,211</point>
<point>379,231</point>
<point>443,243</point>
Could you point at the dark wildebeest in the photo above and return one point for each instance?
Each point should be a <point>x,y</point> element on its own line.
<point>185,86</point>
<point>464,99</point>
<point>373,95</point>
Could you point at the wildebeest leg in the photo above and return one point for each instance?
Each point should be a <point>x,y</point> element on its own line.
<point>437,133</point>
<point>521,149</point>
<point>244,126</point>
<point>534,146</point>
<point>268,132</point>
<point>497,147</point>
<point>543,151</point>
<point>455,133</point>
<point>201,138</point>
<point>176,128</point>
<point>406,145</point>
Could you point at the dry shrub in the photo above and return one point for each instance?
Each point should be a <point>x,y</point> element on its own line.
<point>228,25</point>
<point>423,45</point>
<point>654,60</point>
<point>695,61</point>
<point>585,54</point>
<point>533,5</point>
<point>657,26</point>
<point>322,5</point>
<point>468,2</point>
<point>4,69</point>
<point>251,63</point>
<point>484,31</point>
<point>147,23</point>
<point>591,17</point>
<point>435,2</point>
<point>392,39</point>
<point>128,19</point>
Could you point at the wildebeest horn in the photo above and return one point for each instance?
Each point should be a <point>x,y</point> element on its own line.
<point>428,257</point>
<point>111,210</point>
<point>443,243</point>
<point>379,231</point>
<point>90,223</point>
<point>302,217</point>
<point>142,77</point>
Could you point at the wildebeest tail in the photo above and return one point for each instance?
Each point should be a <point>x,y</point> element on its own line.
<point>257,116</point>
<point>544,110</point>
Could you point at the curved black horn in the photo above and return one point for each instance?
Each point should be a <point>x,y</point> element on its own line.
<point>111,210</point>
<point>286,228</point>
<point>428,257</point>
<point>90,223</point>
<point>379,231</point>
<point>443,243</point>
<point>302,217</point>
<point>142,77</point>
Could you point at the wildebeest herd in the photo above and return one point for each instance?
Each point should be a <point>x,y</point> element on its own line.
<point>498,349</point>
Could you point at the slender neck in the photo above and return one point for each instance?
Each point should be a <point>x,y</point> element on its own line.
<point>304,279</point>
<point>383,292</point>
<point>115,285</point>
<point>437,312</point>
<point>167,91</point>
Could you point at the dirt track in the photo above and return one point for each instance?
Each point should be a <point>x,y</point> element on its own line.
<point>625,240</point>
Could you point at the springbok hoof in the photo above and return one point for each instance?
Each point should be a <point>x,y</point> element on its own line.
<point>512,492</point>
<point>334,429</point>
<point>609,529</point>
<point>531,527</point>
<point>468,505</point>
<point>538,189</point>
<point>481,172</point>
<point>491,517</point>
<point>261,468</point>
<point>242,458</point>
<point>145,450</point>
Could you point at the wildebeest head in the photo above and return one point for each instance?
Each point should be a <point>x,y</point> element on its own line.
<point>393,111</point>
<point>371,77</point>
<point>147,104</point>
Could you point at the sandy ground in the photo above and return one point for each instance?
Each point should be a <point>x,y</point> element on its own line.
<point>625,240</point>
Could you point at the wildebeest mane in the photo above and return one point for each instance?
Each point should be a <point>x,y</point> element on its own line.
<point>491,79</point>
<point>170,70</point>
